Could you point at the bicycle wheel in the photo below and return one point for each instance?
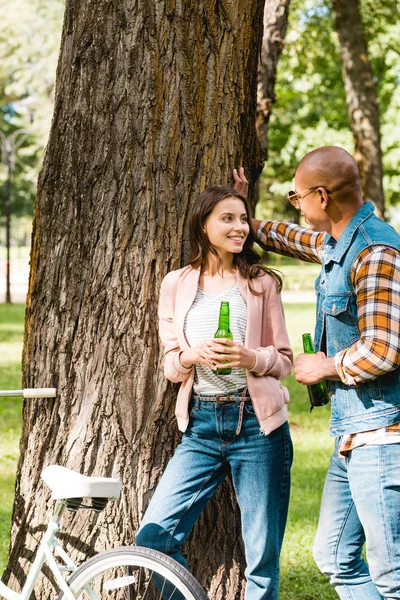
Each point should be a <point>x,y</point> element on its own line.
<point>133,573</point>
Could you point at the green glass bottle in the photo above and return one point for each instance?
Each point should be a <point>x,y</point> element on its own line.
<point>317,392</point>
<point>224,331</point>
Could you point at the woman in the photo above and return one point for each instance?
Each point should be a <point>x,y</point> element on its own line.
<point>232,423</point>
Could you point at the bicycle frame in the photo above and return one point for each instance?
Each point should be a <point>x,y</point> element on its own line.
<point>47,548</point>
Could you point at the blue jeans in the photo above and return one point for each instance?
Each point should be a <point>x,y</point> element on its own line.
<point>361,502</point>
<point>260,467</point>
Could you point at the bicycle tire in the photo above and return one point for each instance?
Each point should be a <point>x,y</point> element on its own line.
<point>133,573</point>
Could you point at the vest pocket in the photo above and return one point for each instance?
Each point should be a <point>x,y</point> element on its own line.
<point>335,305</point>
<point>341,324</point>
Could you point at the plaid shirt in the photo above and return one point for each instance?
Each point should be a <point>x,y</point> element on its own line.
<point>384,435</point>
<point>376,280</point>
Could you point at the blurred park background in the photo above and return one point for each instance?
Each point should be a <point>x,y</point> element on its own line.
<point>310,110</point>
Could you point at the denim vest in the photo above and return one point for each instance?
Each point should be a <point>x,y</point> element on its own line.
<point>375,403</point>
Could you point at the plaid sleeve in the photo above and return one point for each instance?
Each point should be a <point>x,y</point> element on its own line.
<point>376,280</point>
<point>291,240</point>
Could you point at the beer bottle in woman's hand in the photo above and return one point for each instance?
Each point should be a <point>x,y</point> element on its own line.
<point>224,331</point>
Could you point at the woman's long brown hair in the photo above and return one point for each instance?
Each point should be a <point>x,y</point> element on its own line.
<point>247,261</point>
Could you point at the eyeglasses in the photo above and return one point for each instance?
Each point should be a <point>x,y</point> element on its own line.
<point>296,197</point>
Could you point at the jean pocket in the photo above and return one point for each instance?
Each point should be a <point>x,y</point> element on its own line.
<point>192,408</point>
<point>249,409</point>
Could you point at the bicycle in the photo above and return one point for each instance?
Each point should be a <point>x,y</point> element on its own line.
<point>123,573</point>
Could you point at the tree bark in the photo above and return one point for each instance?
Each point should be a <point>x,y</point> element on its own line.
<point>154,102</point>
<point>276,14</point>
<point>361,100</point>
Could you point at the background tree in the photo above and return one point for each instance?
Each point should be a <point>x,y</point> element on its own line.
<point>311,107</point>
<point>381,19</point>
<point>362,100</point>
<point>153,103</point>
<point>276,13</point>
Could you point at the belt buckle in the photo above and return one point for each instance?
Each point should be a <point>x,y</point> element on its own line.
<point>218,399</point>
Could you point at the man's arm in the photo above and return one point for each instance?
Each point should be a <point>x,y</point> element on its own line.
<point>376,280</point>
<point>290,240</point>
<point>256,224</point>
<point>282,238</point>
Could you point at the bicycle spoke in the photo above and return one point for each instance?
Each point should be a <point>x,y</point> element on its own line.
<point>134,584</point>
<point>131,591</point>
<point>147,588</point>
<point>140,577</point>
<point>134,574</point>
<point>172,593</point>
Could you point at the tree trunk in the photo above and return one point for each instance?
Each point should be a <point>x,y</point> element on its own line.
<point>155,101</point>
<point>276,14</point>
<point>361,100</point>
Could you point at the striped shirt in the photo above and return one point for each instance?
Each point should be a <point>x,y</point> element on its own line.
<point>201,323</point>
<point>375,277</point>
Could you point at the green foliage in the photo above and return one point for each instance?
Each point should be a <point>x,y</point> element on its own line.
<point>29,43</point>
<point>311,109</point>
<point>23,178</point>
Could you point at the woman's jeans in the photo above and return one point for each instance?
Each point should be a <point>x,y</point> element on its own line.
<point>260,467</point>
<point>361,501</point>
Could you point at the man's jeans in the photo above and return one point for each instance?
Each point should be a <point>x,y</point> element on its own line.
<point>260,466</point>
<point>361,502</point>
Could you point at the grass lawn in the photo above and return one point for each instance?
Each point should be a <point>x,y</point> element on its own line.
<point>300,578</point>
<point>11,334</point>
<point>297,275</point>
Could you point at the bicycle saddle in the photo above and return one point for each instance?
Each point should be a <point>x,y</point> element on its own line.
<point>65,483</point>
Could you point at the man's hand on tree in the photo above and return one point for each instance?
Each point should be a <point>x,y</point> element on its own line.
<point>241,184</point>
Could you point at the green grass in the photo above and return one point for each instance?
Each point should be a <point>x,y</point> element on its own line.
<point>300,579</point>
<point>297,275</point>
<point>11,334</point>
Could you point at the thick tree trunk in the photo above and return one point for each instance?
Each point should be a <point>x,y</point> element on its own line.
<point>154,102</point>
<point>361,100</point>
<point>276,14</point>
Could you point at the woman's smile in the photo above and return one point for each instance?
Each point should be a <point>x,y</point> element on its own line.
<point>227,226</point>
<point>237,239</point>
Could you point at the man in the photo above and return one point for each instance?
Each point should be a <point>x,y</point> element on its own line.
<point>358,338</point>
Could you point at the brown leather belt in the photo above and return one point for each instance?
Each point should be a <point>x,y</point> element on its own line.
<point>239,398</point>
<point>221,399</point>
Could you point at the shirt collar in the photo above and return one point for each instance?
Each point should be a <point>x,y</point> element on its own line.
<point>338,248</point>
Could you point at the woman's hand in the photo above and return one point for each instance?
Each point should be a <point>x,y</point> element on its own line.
<point>204,353</point>
<point>214,353</point>
<point>238,355</point>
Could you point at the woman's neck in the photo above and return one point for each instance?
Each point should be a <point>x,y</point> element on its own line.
<point>225,268</point>
<point>214,281</point>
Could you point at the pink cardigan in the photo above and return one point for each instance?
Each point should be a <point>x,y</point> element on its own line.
<point>266,334</point>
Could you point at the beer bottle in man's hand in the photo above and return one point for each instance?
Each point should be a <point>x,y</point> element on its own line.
<point>317,392</point>
<point>224,331</point>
